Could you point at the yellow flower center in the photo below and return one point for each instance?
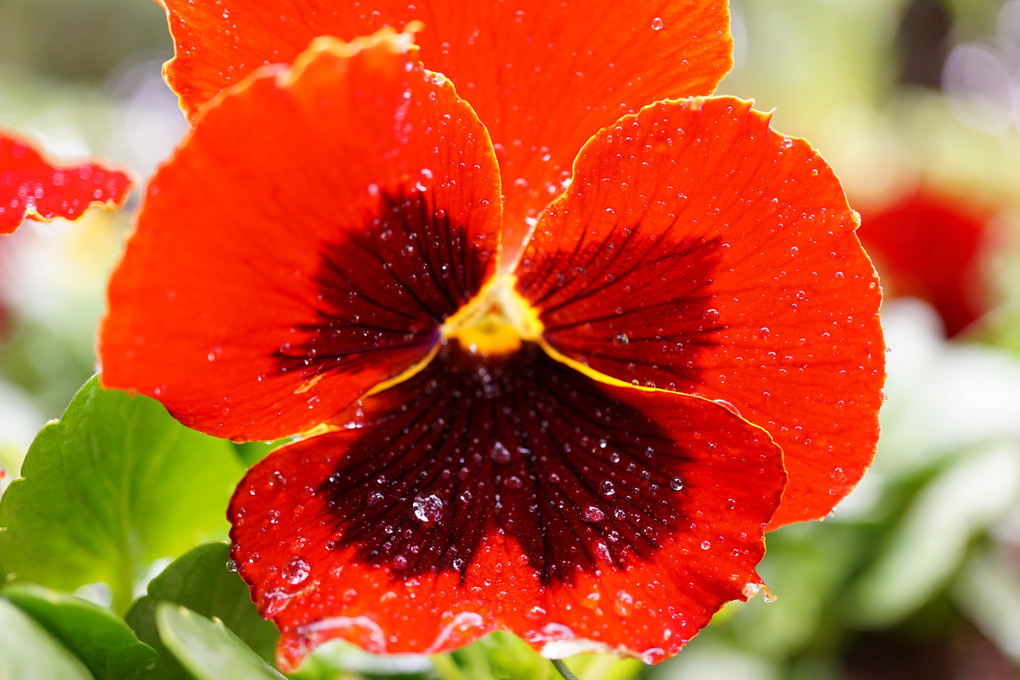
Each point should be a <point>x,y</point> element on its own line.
<point>494,322</point>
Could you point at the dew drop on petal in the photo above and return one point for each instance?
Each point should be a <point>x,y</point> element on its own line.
<point>621,340</point>
<point>429,509</point>
<point>607,488</point>
<point>676,484</point>
<point>657,24</point>
<point>500,453</point>
<point>594,515</point>
<point>296,571</point>
<point>424,179</point>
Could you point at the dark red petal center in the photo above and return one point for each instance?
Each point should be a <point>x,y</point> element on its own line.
<point>650,293</point>
<point>391,285</point>
<point>515,444</point>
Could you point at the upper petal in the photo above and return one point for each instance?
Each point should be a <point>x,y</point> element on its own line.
<point>543,76</point>
<point>305,243</point>
<point>33,186</point>
<point>701,252</point>
<point>512,493</point>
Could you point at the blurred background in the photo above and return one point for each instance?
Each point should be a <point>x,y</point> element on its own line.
<point>915,103</point>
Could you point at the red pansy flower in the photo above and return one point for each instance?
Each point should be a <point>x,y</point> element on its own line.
<point>33,186</point>
<point>550,435</point>
<point>929,246</point>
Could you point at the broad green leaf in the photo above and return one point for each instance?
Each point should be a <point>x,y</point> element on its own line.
<point>339,659</point>
<point>201,581</point>
<point>207,649</point>
<point>930,543</point>
<point>112,486</point>
<point>27,652</point>
<point>97,637</point>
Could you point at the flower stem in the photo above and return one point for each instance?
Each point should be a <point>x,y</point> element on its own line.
<point>560,666</point>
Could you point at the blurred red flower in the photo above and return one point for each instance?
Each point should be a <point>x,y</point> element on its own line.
<point>33,186</point>
<point>547,422</point>
<point>929,246</point>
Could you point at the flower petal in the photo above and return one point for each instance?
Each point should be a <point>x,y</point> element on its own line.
<point>33,186</point>
<point>701,252</point>
<point>317,225</point>
<point>508,493</point>
<point>543,76</point>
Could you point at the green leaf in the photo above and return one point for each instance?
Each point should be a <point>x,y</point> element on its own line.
<point>252,452</point>
<point>201,581</point>
<point>112,486</point>
<point>27,652</point>
<point>93,634</point>
<point>207,649</point>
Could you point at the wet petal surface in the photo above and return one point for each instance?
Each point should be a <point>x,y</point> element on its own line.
<point>33,186</point>
<point>508,493</point>
<point>698,251</point>
<point>543,76</point>
<point>304,243</point>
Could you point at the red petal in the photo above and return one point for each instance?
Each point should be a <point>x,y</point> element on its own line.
<point>929,246</point>
<point>508,493</point>
<point>699,251</point>
<point>304,243</point>
<point>543,76</point>
<point>33,186</point>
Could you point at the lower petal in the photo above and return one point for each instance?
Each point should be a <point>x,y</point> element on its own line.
<point>508,493</point>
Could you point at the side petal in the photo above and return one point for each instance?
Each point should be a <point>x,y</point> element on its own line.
<point>508,493</point>
<point>543,76</point>
<point>33,186</point>
<point>304,243</point>
<point>699,251</point>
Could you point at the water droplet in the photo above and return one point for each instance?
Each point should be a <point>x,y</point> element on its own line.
<point>296,571</point>
<point>676,484</point>
<point>607,488</point>
<point>424,178</point>
<point>657,24</point>
<point>621,340</point>
<point>653,656</point>
<point>429,509</point>
<point>705,545</point>
<point>594,515</point>
<point>710,315</point>
<point>500,453</point>
<point>373,498</point>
